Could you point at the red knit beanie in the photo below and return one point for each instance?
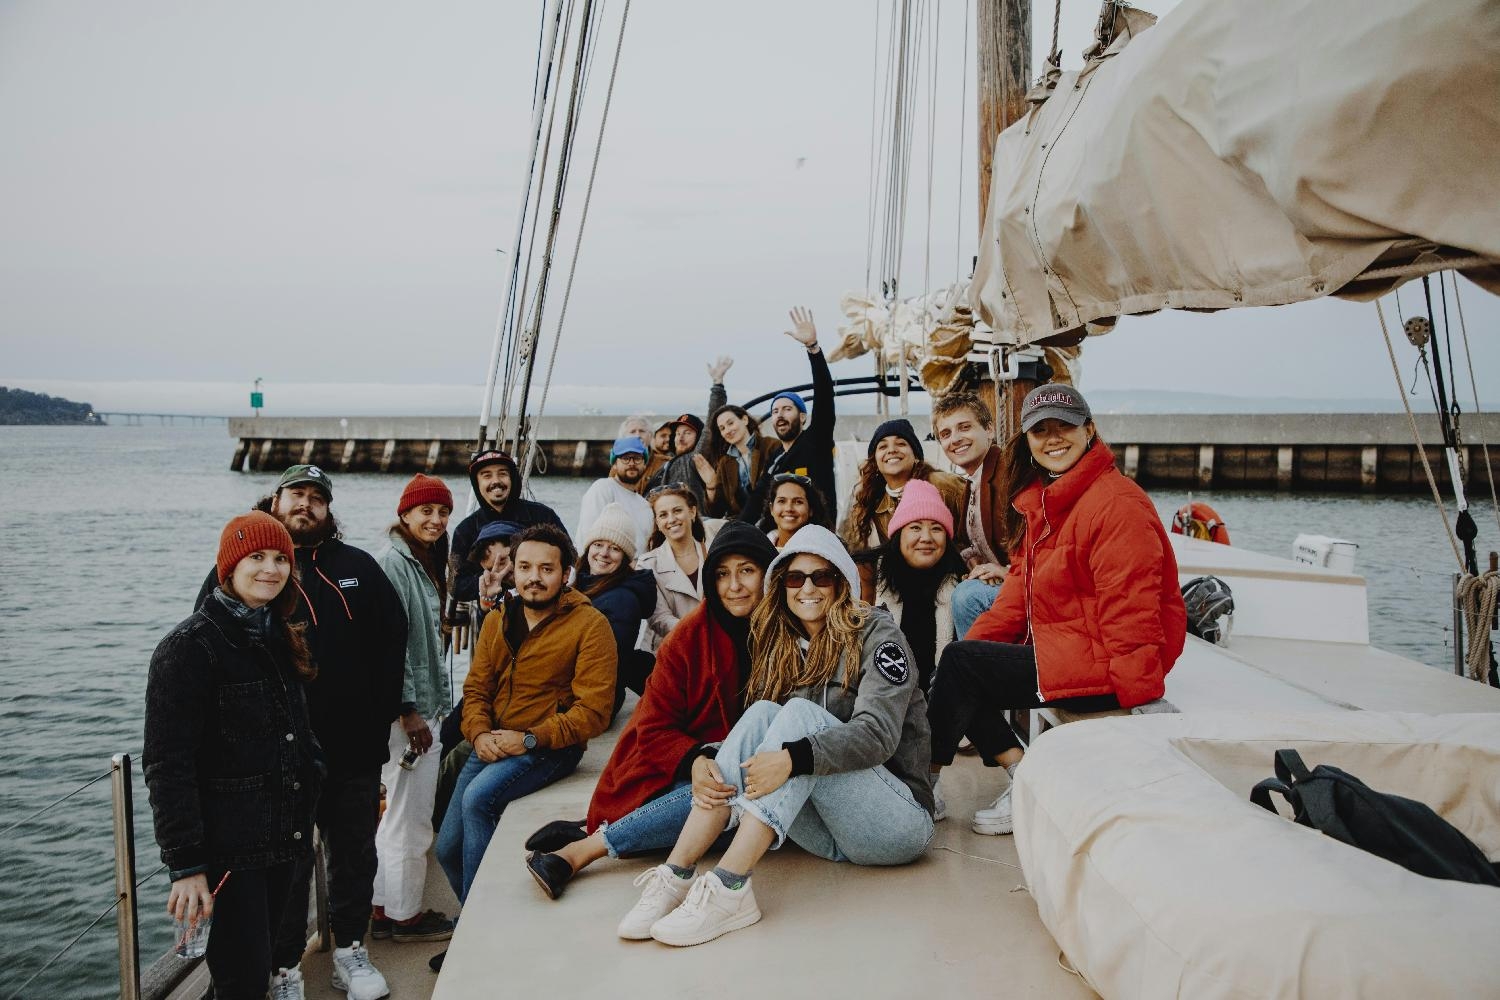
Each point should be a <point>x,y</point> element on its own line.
<point>424,489</point>
<point>920,501</point>
<point>250,533</point>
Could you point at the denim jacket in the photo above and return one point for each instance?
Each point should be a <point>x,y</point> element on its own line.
<point>230,763</point>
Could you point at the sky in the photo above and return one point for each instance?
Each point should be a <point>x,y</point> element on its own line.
<point>197,194</point>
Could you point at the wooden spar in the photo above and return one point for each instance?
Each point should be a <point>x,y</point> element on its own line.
<point>1003,70</point>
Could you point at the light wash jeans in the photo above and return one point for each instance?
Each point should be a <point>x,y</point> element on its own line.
<point>868,817</point>
<point>653,826</point>
<point>971,598</point>
<point>481,795</point>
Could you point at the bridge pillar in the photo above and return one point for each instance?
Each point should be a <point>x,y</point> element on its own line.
<point>433,451</point>
<point>1369,468</point>
<point>1205,476</point>
<point>237,464</point>
<point>348,455</point>
<point>263,459</point>
<point>1284,467</point>
<point>307,450</point>
<point>1132,460</point>
<point>388,454</point>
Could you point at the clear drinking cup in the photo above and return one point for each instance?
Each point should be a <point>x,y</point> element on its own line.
<point>192,938</point>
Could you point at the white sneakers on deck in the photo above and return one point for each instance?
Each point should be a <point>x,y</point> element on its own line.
<point>286,984</point>
<point>994,820</point>
<point>711,909</point>
<point>353,973</point>
<point>663,893</point>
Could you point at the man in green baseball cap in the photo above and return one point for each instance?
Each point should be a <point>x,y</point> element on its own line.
<point>306,475</point>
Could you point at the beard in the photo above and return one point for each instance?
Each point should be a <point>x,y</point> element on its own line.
<point>305,530</point>
<point>630,474</point>
<point>530,600</point>
<point>497,499</point>
<point>789,431</point>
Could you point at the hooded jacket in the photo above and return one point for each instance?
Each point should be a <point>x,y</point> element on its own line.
<point>693,697</point>
<point>559,686</point>
<point>464,576</point>
<point>1099,597</point>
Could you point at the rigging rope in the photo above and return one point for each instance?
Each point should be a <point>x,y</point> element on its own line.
<point>874,121</point>
<point>583,219</point>
<point>932,42</point>
<point>963,123</point>
<point>1474,385</point>
<point>1416,437</point>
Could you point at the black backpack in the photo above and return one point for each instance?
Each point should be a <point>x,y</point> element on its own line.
<point>1398,829</point>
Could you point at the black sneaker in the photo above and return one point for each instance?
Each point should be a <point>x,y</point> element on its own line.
<point>430,926</point>
<point>380,928</point>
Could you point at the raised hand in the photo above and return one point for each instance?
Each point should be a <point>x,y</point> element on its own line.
<point>705,472</point>
<point>803,331</point>
<point>719,367</point>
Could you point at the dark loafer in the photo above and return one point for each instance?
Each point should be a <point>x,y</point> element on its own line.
<point>550,871</point>
<point>556,834</point>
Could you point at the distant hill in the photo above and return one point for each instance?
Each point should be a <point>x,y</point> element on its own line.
<point>17,406</point>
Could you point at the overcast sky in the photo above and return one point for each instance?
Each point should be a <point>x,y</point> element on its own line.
<point>206,192</point>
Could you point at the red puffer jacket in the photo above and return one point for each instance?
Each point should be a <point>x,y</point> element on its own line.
<point>1096,582</point>
<point>691,698</point>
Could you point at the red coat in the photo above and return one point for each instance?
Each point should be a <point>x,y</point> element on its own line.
<point>1097,574</point>
<point>692,697</point>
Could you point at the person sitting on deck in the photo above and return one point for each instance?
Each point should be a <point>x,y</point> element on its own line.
<point>830,753</point>
<point>795,502</point>
<point>675,559</point>
<point>660,454</point>
<point>496,481</point>
<point>916,572</point>
<point>538,689</point>
<point>894,459</point>
<point>800,444</point>
<point>627,465</point>
<point>732,459</point>
<point>688,466</point>
<point>624,595</point>
<point>965,428</point>
<point>695,695</point>
<point>1093,585</point>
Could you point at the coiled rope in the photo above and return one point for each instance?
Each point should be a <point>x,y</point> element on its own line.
<point>1478,597</point>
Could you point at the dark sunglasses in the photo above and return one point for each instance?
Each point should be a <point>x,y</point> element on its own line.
<point>820,578</point>
<point>791,477</point>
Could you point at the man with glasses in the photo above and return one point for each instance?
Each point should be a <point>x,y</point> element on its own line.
<point>627,464</point>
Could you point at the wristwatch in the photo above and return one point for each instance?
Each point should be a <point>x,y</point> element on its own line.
<point>529,741</point>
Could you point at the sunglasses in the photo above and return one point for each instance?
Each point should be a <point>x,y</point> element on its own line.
<point>657,491</point>
<point>791,477</point>
<point>820,578</point>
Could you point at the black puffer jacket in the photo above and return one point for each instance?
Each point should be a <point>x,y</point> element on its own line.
<point>356,629</point>
<point>230,763</point>
<point>463,577</point>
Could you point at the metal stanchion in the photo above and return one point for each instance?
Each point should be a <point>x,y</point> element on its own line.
<point>125,910</point>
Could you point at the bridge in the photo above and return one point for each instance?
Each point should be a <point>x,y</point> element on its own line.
<point>138,419</point>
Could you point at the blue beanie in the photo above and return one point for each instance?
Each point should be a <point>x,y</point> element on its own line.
<point>796,400</point>
<point>503,530</point>
<point>626,446</point>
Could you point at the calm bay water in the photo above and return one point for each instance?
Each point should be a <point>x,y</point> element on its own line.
<point>107,533</point>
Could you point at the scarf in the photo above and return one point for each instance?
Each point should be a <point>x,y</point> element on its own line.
<point>256,621</point>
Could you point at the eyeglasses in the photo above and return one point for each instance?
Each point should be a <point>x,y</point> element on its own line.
<point>631,458</point>
<point>820,577</point>
<point>791,477</point>
<point>657,491</point>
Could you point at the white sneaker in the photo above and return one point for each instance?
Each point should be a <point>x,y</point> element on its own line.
<point>353,973</point>
<point>286,984</point>
<point>710,910</point>
<point>994,820</point>
<point>939,807</point>
<point>663,893</point>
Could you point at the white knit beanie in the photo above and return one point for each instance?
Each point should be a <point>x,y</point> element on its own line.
<point>614,525</point>
<point>817,540</point>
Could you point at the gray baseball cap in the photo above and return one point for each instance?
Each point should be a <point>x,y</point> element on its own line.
<point>305,475</point>
<point>1054,401</point>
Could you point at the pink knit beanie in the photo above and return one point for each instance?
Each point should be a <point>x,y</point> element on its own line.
<point>920,501</point>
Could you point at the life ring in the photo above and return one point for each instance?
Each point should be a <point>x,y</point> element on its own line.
<point>1199,520</point>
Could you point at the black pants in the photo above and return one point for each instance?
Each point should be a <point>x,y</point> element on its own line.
<point>977,681</point>
<point>633,670</point>
<point>246,914</point>
<point>348,812</point>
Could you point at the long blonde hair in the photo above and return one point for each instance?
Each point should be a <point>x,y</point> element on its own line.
<point>777,663</point>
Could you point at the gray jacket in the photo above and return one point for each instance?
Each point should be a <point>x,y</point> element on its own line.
<point>426,682</point>
<point>885,715</point>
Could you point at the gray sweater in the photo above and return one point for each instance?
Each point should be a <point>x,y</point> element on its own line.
<point>885,714</point>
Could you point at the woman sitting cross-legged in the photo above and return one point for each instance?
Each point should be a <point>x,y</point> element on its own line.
<point>832,754</point>
<point>1093,588</point>
<point>694,696</point>
<point>916,571</point>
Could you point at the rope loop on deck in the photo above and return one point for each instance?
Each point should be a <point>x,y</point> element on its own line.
<point>1478,597</point>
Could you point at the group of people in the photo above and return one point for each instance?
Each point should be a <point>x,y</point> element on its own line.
<point>795,682</point>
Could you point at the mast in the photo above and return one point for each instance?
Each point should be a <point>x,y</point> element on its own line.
<point>1003,69</point>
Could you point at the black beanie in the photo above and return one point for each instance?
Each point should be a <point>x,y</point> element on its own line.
<point>901,428</point>
<point>737,538</point>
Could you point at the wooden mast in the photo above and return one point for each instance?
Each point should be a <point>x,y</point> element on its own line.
<point>1003,68</point>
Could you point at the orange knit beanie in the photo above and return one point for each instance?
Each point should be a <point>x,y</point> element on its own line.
<point>250,533</point>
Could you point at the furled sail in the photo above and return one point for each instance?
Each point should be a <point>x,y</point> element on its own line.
<point>1243,154</point>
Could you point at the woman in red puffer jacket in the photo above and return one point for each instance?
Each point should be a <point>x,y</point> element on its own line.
<point>1090,617</point>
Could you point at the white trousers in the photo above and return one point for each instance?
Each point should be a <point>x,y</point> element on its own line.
<point>405,833</point>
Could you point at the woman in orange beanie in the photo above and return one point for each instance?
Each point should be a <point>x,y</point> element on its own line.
<point>415,560</point>
<point>230,763</point>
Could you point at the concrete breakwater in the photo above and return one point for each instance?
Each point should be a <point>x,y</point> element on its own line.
<point>1363,452</point>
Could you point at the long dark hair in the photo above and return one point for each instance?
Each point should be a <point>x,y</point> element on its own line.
<point>893,572</point>
<point>717,447</point>
<point>434,558</point>
<point>686,496</point>
<point>592,586</point>
<point>867,496</point>
<point>817,504</point>
<point>292,634</point>
<point>1020,472</point>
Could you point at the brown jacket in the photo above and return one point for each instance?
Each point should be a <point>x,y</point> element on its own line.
<point>728,500</point>
<point>561,685</point>
<point>992,501</point>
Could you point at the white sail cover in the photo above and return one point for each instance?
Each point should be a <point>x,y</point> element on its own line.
<point>1239,154</point>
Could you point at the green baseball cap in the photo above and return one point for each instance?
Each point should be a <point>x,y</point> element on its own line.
<point>303,475</point>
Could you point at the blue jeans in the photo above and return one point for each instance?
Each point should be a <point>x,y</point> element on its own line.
<point>971,598</point>
<point>868,817</point>
<point>481,795</point>
<point>653,826</point>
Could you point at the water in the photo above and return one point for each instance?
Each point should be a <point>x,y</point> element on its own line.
<point>108,533</point>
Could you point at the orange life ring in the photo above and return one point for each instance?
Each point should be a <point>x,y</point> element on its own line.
<point>1199,520</point>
